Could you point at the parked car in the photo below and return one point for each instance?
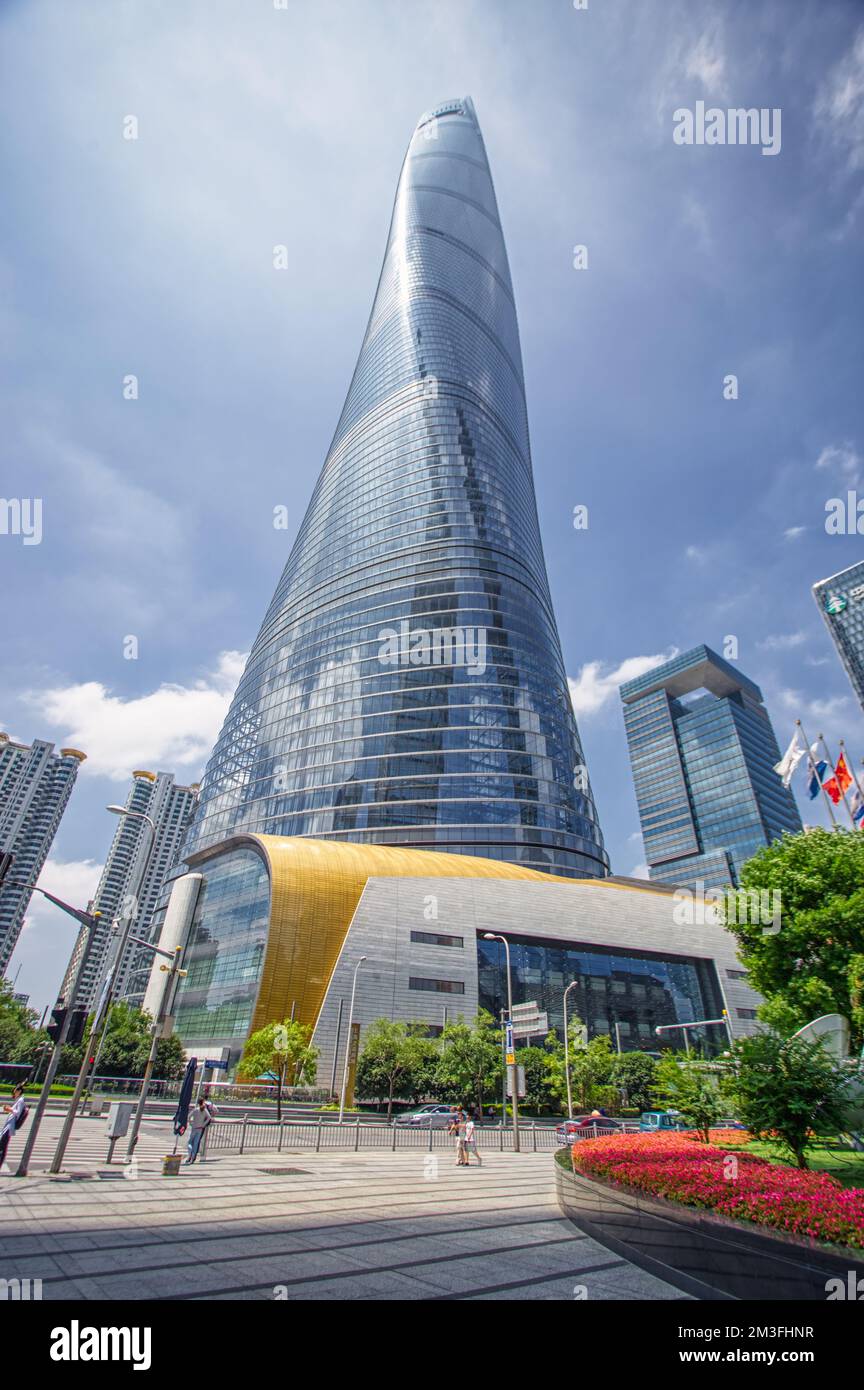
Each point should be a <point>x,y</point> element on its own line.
<point>583,1125</point>
<point>427,1117</point>
<point>662,1121</point>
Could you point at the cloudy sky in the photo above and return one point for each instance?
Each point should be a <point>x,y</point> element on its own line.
<point>260,125</point>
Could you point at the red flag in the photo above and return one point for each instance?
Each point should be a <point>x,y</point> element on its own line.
<point>832,787</point>
<point>843,775</point>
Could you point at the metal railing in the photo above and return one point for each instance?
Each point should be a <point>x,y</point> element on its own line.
<point>250,1134</point>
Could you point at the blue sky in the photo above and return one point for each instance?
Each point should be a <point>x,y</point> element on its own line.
<point>259,127</point>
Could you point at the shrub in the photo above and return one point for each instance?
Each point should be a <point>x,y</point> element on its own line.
<point>739,1185</point>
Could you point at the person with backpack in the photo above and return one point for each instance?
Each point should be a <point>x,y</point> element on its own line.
<point>17,1113</point>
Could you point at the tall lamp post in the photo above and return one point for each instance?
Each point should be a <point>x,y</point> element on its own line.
<point>103,1012</point>
<point>572,985</point>
<point>514,1075</point>
<point>90,920</point>
<point>348,1041</point>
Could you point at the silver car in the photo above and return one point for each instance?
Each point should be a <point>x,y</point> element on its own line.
<point>427,1117</point>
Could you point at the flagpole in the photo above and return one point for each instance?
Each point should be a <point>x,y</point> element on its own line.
<point>854,776</point>
<point>812,767</point>
<point>832,764</point>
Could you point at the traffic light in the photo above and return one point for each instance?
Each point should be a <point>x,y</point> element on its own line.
<point>55,1027</point>
<point>77,1021</point>
<point>5,864</point>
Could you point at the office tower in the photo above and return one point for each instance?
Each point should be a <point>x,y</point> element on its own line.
<point>35,785</point>
<point>132,879</point>
<point>407,685</point>
<point>703,750</point>
<point>841,602</point>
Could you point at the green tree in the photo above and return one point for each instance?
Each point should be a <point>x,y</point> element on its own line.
<point>635,1074</point>
<point>469,1067</point>
<point>785,1089</point>
<point>385,1067</point>
<point>592,1069</point>
<point>19,1035</point>
<point>127,1046</point>
<point>284,1050</point>
<point>811,966</point>
<point>687,1085</point>
<point>422,1054</point>
<point>539,1095</point>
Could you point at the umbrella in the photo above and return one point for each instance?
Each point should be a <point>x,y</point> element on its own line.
<point>181,1114</point>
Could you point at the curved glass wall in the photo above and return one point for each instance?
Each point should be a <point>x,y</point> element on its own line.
<point>225,953</point>
<point>407,685</point>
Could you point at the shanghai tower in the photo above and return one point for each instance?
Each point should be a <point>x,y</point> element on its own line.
<point>407,685</point>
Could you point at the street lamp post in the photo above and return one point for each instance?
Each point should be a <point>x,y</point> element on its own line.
<point>348,1041</point>
<point>514,1075</point>
<point>572,985</point>
<point>90,920</point>
<point>173,971</point>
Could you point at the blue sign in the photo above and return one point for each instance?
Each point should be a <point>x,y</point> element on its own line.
<point>216,1062</point>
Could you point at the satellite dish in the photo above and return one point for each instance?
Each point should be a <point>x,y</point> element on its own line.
<point>832,1030</point>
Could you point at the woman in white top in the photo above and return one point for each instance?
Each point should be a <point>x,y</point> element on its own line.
<point>470,1145</point>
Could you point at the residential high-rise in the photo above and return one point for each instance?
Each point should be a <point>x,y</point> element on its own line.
<point>130,885</point>
<point>703,750</point>
<point>35,785</point>
<point>841,602</point>
<point>407,685</point>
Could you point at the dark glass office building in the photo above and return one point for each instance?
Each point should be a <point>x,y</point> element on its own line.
<point>703,752</point>
<point>841,602</point>
<point>407,685</point>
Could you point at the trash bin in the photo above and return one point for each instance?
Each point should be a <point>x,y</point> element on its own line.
<point>171,1165</point>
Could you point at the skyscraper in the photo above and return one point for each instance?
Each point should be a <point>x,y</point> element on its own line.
<point>35,785</point>
<point>703,750</point>
<point>130,885</point>
<point>407,685</point>
<point>841,602</point>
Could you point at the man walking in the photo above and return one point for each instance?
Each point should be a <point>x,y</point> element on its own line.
<point>17,1113</point>
<point>198,1122</point>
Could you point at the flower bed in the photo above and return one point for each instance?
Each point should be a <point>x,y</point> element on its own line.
<point>737,1185</point>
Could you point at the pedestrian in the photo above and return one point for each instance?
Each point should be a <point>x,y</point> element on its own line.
<point>457,1129</point>
<point>17,1112</point>
<point>198,1122</point>
<point>471,1141</point>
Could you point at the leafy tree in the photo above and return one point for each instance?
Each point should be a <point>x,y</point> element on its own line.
<point>784,1089</point>
<point>812,965</point>
<point>386,1064</point>
<point>469,1067</point>
<point>422,1054</point>
<point>635,1074</point>
<point>127,1046</point>
<point>538,1092</point>
<point>686,1085</point>
<point>592,1069</point>
<point>19,1035</point>
<point>284,1050</point>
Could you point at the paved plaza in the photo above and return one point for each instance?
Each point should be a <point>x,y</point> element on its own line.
<point>338,1225</point>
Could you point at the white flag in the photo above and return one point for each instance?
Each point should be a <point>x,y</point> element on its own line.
<point>790,760</point>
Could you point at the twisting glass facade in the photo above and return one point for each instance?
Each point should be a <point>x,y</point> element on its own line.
<point>407,685</point>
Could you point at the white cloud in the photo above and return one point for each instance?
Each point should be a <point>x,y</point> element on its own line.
<point>170,728</point>
<point>840,104</point>
<point>792,533</point>
<point>842,459</point>
<point>594,687</point>
<point>75,881</point>
<point>821,712</point>
<point>697,555</point>
<point>706,61</point>
<point>639,871</point>
<point>782,641</point>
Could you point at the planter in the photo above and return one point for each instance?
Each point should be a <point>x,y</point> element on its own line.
<point>171,1165</point>
<point>699,1252</point>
